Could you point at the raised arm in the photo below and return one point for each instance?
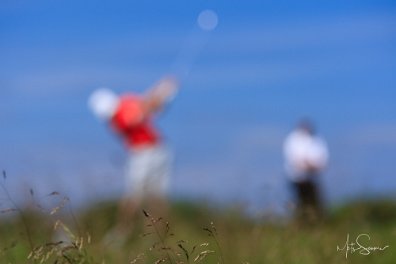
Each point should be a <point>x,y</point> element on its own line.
<point>160,94</point>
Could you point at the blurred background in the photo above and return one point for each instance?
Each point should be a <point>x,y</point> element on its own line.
<point>267,64</point>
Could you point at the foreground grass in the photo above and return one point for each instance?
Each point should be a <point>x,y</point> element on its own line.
<point>194,233</point>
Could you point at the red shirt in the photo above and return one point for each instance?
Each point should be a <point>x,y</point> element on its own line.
<point>129,121</point>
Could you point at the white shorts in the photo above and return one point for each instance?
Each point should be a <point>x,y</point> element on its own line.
<point>147,172</point>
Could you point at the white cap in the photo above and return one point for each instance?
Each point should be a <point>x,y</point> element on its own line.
<point>103,103</point>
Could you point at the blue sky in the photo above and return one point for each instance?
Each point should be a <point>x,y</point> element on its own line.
<point>267,64</point>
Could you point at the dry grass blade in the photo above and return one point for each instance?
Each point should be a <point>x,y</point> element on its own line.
<point>146,234</point>
<point>138,258</point>
<point>213,227</point>
<point>210,232</point>
<point>155,245</point>
<point>196,246</point>
<point>160,260</point>
<point>145,213</point>
<point>202,255</point>
<point>185,251</point>
<point>70,234</point>
<point>60,206</point>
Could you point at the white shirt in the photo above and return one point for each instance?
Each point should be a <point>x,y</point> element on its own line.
<point>303,154</point>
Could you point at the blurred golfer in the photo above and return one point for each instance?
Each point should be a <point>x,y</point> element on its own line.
<point>148,165</point>
<point>306,156</point>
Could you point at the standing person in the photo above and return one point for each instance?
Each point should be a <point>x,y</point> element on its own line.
<point>306,156</point>
<point>131,116</point>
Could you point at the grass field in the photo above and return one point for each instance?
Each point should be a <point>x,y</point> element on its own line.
<point>196,233</point>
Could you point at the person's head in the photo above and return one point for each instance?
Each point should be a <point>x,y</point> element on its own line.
<point>103,103</point>
<point>307,126</point>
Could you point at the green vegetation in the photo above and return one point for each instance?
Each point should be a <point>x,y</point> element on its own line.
<point>193,233</point>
